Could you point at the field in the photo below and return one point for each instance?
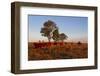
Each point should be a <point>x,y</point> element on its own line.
<point>48,51</point>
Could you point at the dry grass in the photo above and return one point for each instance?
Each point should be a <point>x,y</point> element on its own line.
<point>66,51</point>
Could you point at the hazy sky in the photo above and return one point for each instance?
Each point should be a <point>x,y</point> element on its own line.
<point>76,28</point>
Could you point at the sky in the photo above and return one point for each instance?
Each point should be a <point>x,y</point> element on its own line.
<point>76,28</point>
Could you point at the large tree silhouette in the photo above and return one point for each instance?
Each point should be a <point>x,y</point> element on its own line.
<point>51,31</point>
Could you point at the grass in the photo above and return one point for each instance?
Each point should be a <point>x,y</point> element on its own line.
<point>65,51</point>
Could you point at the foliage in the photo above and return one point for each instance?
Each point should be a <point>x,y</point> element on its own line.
<point>62,36</point>
<point>56,35</point>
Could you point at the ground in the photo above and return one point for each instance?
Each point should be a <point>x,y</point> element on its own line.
<point>50,51</point>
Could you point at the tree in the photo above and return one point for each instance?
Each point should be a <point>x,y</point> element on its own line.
<point>48,28</point>
<point>79,43</point>
<point>62,37</point>
<point>51,31</point>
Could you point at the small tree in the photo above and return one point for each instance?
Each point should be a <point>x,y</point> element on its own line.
<point>79,43</point>
<point>62,37</point>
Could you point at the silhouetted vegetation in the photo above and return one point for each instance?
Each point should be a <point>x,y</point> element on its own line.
<point>79,43</point>
<point>51,31</point>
